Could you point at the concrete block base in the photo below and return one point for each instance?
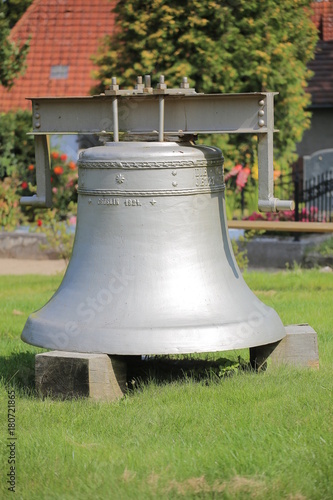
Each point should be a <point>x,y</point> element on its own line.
<point>103,378</point>
<point>298,348</point>
<point>71,374</point>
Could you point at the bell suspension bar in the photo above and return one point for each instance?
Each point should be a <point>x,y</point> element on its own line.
<point>161,112</point>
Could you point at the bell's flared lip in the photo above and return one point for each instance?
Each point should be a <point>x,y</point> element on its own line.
<point>157,340</point>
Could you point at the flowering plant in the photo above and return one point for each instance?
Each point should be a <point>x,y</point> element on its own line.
<point>59,234</point>
<point>241,190</point>
<point>240,174</point>
<point>63,181</point>
<point>307,215</point>
<point>285,215</point>
<point>11,215</point>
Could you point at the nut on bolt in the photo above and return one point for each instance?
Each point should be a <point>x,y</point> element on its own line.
<point>184,83</point>
<point>139,85</point>
<point>161,85</point>
<point>114,85</point>
<point>148,88</point>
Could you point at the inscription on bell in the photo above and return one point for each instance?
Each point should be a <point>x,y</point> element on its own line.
<point>202,179</point>
<point>108,201</point>
<point>132,203</point>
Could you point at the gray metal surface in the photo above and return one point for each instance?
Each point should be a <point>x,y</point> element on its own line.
<point>163,112</point>
<point>192,113</point>
<point>43,175</point>
<point>152,270</point>
<point>266,199</point>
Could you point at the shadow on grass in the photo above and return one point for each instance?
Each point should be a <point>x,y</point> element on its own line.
<point>18,370</point>
<point>166,369</point>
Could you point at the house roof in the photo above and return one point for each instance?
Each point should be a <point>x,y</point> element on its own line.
<point>323,18</point>
<point>64,34</point>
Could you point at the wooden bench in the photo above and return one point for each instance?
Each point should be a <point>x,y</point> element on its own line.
<point>292,227</point>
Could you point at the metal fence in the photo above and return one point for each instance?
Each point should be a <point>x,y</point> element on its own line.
<point>317,197</point>
<point>313,197</point>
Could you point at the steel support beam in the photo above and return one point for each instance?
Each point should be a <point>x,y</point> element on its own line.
<point>188,114</point>
<point>160,114</point>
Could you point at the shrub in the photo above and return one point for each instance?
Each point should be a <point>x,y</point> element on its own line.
<point>311,214</point>
<point>16,147</point>
<point>11,215</point>
<point>64,183</point>
<point>17,160</point>
<point>59,234</point>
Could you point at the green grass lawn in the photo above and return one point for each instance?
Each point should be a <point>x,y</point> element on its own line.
<point>266,435</point>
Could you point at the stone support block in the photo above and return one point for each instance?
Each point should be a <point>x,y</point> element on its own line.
<point>298,348</point>
<point>68,375</point>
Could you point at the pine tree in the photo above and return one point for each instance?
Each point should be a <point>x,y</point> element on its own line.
<point>221,46</point>
<point>12,55</point>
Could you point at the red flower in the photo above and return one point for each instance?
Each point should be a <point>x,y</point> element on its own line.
<point>234,171</point>
<point>31,167</point>
<point>242,178</point>
<point>72,165</point>
<point>55,155</point>
<point>63,157</point>
<point>58,170</point>
<point>39,222</point>
<point>255,216</point>
<point>24,185</point>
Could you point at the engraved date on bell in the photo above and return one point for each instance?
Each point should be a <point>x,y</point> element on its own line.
<point>203,179</point>
<point>132,203</point>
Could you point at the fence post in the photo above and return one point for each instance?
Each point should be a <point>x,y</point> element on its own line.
<point>296,197</point>
<point>242,202</point>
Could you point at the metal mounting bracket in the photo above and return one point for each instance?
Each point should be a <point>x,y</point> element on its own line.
<point>159,112</point>
<point>43,199</point>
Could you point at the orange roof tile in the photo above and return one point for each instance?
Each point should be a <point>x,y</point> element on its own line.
<point>323,18</point>
<point>63,33</point>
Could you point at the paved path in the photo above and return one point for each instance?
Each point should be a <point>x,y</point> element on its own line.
<point>20,266</point>
<point>26,266</point>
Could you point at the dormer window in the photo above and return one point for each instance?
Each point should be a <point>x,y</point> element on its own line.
<point>59,72</point>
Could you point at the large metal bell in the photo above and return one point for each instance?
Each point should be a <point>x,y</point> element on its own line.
<point>152,269</point>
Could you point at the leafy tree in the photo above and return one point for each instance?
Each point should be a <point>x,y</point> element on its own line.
<point>12,55</point>
<point>16,147</point>
<point>14,9</point>
<point>221,46</point>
